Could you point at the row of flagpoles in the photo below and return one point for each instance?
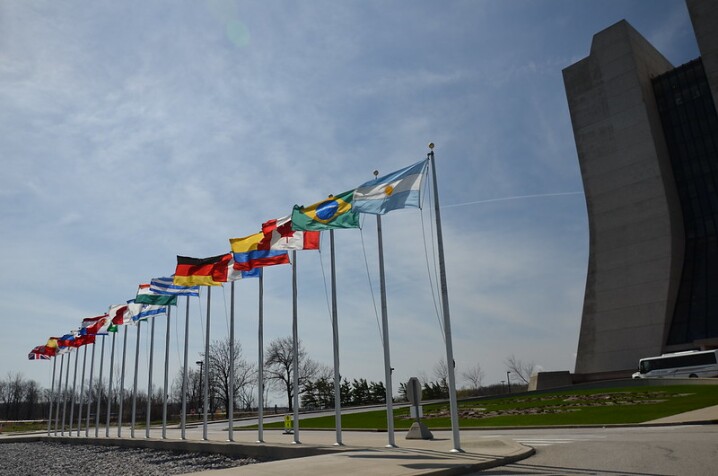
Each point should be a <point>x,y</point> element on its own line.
<point>299,231</point>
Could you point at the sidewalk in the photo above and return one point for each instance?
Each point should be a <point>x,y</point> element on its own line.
<point>702,415</point>
<point>362,452</point>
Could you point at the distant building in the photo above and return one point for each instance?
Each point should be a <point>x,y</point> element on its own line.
<point>647,139</point>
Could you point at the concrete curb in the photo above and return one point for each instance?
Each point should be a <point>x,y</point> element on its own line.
<point>261,451</point>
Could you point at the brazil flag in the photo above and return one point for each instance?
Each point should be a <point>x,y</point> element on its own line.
<point>334,212</point>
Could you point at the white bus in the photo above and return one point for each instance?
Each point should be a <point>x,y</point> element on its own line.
<point>694,363</point>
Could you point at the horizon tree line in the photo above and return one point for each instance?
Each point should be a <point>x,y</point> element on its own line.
<point>23,399</point>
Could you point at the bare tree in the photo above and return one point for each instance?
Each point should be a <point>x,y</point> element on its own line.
<point>31,395</point>
<point>5,397</point>
<point>441,371</point>
<point>16,390</point>
<point>519,368</point>
<point>20,397</point>
<point>194,388</point>
<point>474,376</point>
<point>279,366</point>
<point>219,369</point>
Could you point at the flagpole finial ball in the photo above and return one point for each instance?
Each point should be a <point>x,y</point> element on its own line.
<point>431,145</point>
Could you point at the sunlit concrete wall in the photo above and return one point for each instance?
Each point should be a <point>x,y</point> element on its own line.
<point>635,222</point>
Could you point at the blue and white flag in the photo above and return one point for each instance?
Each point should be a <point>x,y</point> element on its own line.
<point>399,189</point>
<point>166,286</point>
<point>141,312</point>
<point>234,275</point>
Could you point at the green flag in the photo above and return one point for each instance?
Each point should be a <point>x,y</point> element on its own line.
<point>146,296</point>
<point>334,212</point>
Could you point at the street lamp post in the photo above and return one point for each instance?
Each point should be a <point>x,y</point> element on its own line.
<point>199,406</point>
<point>508,381</point>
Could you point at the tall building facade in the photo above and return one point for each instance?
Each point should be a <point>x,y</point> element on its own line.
<point>647,140</point>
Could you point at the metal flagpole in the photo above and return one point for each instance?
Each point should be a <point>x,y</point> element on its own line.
<point>109,384</point>
<point>52,394</point>
<point>205,390</point>
<point>167,372</point>
<point>134,383</point>
<point>89,390</point>
<point>260,363</point>
<point>99,389</point>
<point>335,339</point>
<point>445,308</point>
<point>74,387</point>
<point>295,350</point>
<point>230,410</point>
<point>149,378</point>
<point>59,389</point>
<point>82,386</point>
<point>122,386</point>
<point>183,417</point>
<point>385,338</point>
<point>64,399</point>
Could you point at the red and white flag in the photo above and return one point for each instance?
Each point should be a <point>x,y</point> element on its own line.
<point>278,235</point>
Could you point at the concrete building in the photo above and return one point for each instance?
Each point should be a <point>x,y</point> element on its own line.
<point>646,133</point>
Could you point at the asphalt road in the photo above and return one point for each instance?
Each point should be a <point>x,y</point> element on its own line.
<point>668,450</point>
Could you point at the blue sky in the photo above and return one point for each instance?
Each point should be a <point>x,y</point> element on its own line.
<point>136,131</point>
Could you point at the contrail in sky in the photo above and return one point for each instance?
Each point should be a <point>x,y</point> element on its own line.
<point>518,197</point>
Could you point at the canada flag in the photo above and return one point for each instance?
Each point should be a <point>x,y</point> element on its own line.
<point>278,235</point>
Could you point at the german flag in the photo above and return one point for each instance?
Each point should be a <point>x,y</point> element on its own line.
<point>202,271</point>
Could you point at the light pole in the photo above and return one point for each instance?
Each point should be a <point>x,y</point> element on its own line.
<point>508,381</point>
<point>199,405</point>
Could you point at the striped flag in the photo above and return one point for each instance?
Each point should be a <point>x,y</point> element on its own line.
<point>145,295</point>
<point>252,252</point>
<point>141,312</point>
<point>399,189</point>
<point>212,271</point>
<point>167,287</point>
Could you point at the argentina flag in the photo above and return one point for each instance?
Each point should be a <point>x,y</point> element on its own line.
<point>396,190</point>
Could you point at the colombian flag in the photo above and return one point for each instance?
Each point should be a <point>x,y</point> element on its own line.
<point>254,251</point>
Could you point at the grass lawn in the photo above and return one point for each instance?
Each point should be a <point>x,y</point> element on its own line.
<point>16,426</point>
<point>583,407</point>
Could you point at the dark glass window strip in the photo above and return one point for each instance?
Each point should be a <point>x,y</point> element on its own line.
<point>690,126</point>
